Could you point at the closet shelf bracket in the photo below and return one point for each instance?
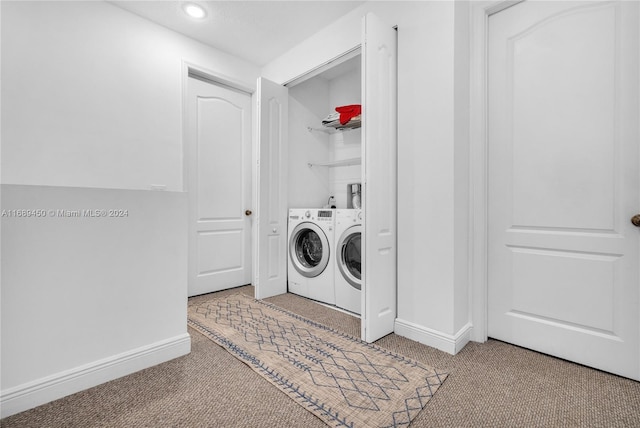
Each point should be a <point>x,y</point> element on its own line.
<point>311,129</point>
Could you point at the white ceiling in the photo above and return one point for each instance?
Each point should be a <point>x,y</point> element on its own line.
<point>257,31</point>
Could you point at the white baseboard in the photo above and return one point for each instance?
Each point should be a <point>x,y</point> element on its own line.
<point>44,390</point>
<point>451,344</point>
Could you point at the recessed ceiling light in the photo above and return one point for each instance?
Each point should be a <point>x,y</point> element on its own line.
<point>194,10</point>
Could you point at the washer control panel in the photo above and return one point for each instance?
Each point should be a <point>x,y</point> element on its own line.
<point>325,214</point>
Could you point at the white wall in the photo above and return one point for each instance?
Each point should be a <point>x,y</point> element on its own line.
<point>93,95</point>
<point>462,280</point>
<point>433,292</point>
<point>88,299</point>
<point>91,118</point>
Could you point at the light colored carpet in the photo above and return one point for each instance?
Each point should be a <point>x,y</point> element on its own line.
<point>339,378</point>
<point>490,384</point>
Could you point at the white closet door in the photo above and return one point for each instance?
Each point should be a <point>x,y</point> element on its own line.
<point>271,234</point>
<point>379,178</point>
<point>219,182</point>
<point>564,181</point>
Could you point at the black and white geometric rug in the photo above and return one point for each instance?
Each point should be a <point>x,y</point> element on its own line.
<point>344,381</point>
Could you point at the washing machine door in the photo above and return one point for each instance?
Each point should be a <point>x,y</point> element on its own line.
<point>350,256</point>
<point>309,249</point>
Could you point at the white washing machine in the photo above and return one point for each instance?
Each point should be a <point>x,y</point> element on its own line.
<point>348,256</point>
<point>310,262</point>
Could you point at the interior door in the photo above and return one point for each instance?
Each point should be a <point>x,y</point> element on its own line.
<point>218,163</point>
<point>271,222</point>
<point>379,95</point>
<point>564,181</point>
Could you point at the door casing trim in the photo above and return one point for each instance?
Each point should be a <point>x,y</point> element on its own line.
<point>478,192</point>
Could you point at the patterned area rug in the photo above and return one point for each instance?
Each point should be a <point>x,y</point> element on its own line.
<point>342,380</point>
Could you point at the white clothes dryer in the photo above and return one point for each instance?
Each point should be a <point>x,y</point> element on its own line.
<point>348,256</point>
<point>310,263</point>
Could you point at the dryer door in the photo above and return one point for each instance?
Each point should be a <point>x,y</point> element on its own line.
<point>350,256</point>
<point>309,249</point>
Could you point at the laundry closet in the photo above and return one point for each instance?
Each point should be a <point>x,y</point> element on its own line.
<point>306,166</point>
<point>324,186</point>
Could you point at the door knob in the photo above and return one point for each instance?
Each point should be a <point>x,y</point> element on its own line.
<point>248,212</point>
<point>636,220</point>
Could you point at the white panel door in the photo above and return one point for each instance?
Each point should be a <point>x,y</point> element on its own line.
<point>564,181</point>
<point>218,163</point>
<point>271,222</point>
<point>379,89</point>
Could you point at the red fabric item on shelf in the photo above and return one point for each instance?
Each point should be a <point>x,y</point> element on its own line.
<point>348,112</point>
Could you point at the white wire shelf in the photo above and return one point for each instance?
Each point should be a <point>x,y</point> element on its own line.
<point>331,130</point>
<point>342,162</point>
